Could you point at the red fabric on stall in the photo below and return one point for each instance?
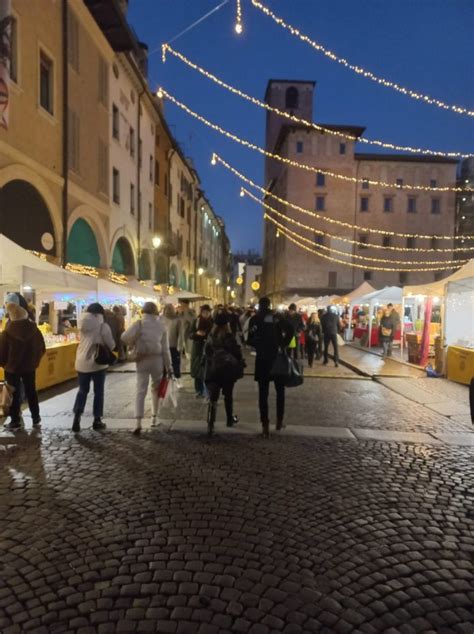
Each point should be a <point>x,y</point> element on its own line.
<point>425,337</point>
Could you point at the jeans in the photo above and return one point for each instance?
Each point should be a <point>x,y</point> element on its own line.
<point>327,340</point>
<point>214,390</point>
<point>199,387</point>
<point>98,379</point>
<point>387,347</point>
<point>176,361</point>
<point>313,347</point>
<point>29,383</point>
<point>150,366</point>
<point>263,390</point>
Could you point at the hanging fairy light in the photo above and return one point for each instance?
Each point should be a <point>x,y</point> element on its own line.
<point>309,212</point>
<point>238,21</point>
<point>362,244</point>
<point>295,238</point>
<point>303,166</point>
<point>295,119</point>
<point>419,96</point>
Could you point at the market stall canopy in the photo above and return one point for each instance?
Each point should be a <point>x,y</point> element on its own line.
<point>325,300</point>
<point>306,301</point>
<point>292,300</point>
<point>437,289</point>
<point>180,295</point>
<point>142,291</point>
<point>387,295</point>
<point>20,268</point>
<point>364,289</point>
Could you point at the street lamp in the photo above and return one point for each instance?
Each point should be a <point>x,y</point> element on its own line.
<point>200,271</point>
<point>218,282</point>
<point>156,242</point>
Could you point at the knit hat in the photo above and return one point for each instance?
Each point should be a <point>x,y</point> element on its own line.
<point>12,298</point>
<point>95,309</point>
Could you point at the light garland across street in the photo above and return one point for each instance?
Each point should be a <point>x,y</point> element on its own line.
<point>161,92</point>
<point>238,20</point>
<point>166,48</point>
<point>217,159</point>
<point>363,244</point>
<point>288,233</point>
<point>359,70</point>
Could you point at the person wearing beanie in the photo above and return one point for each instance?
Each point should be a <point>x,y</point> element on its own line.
<point>200,331</point>
<point>149,337</point>
<point>21,349</point>
<point>269,332</point>
<point>224,365</point>
<point>93,331</point>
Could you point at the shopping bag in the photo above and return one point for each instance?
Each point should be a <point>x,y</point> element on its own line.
<point>163,387</point>
<point>295,377</point>
<point>6,398</point>
<point>171,396</point>
<point>292,344</point>
<point>281,366</point>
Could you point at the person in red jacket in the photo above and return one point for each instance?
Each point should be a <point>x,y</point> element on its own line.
<point>21,349</point>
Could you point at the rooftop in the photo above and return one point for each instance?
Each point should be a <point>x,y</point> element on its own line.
<point>354,130</point>
<point>413,158</point>
<point>113,24</point>
<point>287,81</point>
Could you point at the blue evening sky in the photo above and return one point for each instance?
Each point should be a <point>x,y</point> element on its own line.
<point>425,45</point>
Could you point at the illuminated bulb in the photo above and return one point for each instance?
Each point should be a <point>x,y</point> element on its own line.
<point>213,159</point>
<point>159,94</point>
<point>238,28</point>
<point>242,193</point>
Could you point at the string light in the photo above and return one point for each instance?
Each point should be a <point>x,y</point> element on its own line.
<point>304,166</point>
<point>83,269</point>
<point>217,158</point>
<point>238,23</point>
<point>295,119</point>
<point>354,255</point>
<point>358,69</point>
<point>288,233</point>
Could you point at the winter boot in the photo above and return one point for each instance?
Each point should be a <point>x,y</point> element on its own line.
<point>98,425</point>
<point>266,428</point>
<point>232,420</point>
<point>211,417</point>
<point>76,425</point>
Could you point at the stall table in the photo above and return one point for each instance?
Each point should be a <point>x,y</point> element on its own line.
<point>460,363</point>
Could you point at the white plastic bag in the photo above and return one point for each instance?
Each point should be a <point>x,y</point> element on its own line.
<point>340,340</point>
<point>171,397</point>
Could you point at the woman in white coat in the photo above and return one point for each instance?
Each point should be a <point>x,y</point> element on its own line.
<point>149,338</point>
<point>93,331</point>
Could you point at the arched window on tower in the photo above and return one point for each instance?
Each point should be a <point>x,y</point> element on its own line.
<point>291,98</point>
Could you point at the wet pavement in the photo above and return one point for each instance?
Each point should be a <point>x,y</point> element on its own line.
<point>357,518</point>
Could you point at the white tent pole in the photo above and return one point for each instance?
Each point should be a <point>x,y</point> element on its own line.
<point>402,327</point>
<point>371,311</point>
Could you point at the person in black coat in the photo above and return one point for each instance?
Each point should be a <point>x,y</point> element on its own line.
<point>331,326</point>
<point>313,338</point>
<point>224,365</point>
<point>269,332</point>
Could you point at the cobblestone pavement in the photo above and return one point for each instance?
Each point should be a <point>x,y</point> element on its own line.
<point>172,532</point>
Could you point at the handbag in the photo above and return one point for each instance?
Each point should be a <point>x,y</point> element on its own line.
<point>281,368</point>
<point>386,332</point>
<point>295,377</point>
<point>103,355</point>
<point>134,352</point>
<point>6,398</point>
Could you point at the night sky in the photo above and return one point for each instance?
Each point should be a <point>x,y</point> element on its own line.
<point>425,45</point>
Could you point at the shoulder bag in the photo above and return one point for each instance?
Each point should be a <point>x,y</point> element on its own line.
<point>103,354</point>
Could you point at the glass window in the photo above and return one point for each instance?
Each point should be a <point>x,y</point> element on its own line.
<point>363,239</point>
<point>387,241</point>
<point>151,163</point>
<point>367,276</point>
<point>132,199</point>
<point>299,147</point>
<point>435,206</point>
<point>291,97</point>
<point>433,182</point>
<point>46,83</point>
<point>132,142</point>
<point>342,148</point>
<point>411,209</point>
<point>115,122</point>
<point>157,174</point>
<point>319,239</point>
<point>387,204</point>
<point>365,183</point>
<point>400,182</point>
<point>364,203</point>
<point>14,49</point>
<point>320,180</point>
<point>116,185</point>
<point>411,243</point>
<point>320,203</point>
<point>403,277</point>
<point>434,243</point>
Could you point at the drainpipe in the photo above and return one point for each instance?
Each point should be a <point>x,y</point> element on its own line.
<point>168,224</point>
<point>65,165</point>
<point>139,195</point>
<point>354,235</point>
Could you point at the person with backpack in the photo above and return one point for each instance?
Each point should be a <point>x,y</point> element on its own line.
<point>21,349</point>
<point>269,333</point>
<point>224,365</point>
<point>149,338</point>
<point>96,342</point>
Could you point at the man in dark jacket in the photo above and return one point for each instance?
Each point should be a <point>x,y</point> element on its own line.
<point>21,349</point>
<point>269,333</point>
<point>331,327</point>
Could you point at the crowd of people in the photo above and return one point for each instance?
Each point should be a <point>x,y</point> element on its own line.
<point>210,343</point>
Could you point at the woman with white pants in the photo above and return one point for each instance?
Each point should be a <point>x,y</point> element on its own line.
<point>149,338</point>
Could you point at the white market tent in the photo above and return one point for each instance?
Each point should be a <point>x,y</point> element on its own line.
<point>306,301</point>
<point>437,289</point>
<point>387,295</point>
<point>20,269</point>
<point>364,289</point>
<point>180,295</point>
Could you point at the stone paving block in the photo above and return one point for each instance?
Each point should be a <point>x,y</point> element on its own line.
<point>465,439</point>
<point>395,436</point>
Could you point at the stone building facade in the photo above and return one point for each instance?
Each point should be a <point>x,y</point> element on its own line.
<point>287,268</point>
